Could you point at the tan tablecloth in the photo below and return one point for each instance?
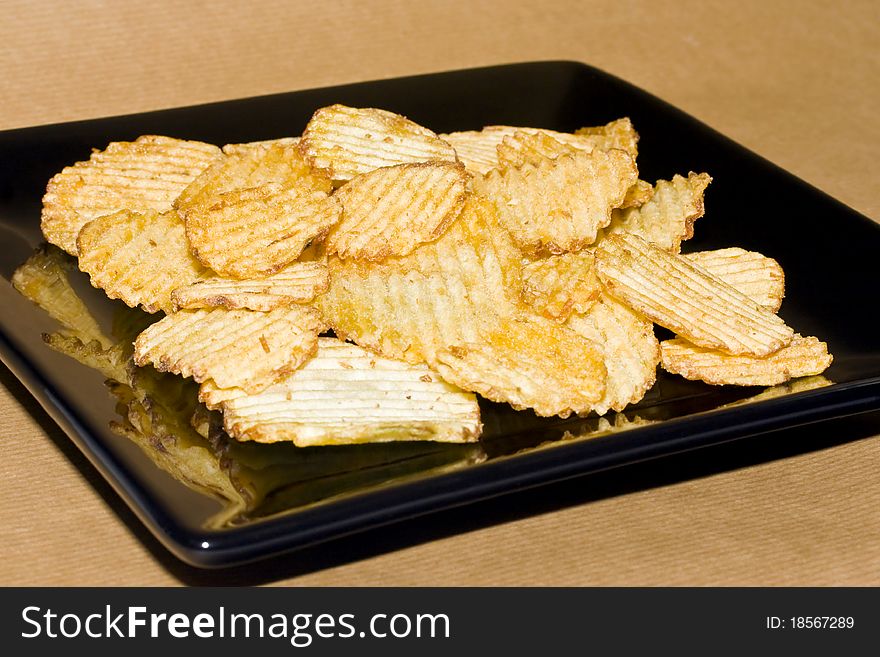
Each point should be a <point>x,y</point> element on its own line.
<point>797,82</point>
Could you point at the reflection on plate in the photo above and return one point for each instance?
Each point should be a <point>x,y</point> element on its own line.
<point>161,414</point>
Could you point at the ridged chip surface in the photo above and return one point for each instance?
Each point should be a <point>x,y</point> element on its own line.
<point>347,141</point>
<point>758,277</point>
<point>247,147</point>
<point>561,204</point>
<point>631,350</point>
<point>390,211</point>
<point>299,282</point>
<point>802,357</point>
<point>531,146</point>
<point>146,174</point>
<point>139,258</point>
<point>235,348</point>
<point>559,285</point>
<point>346,395</point>
<point>258,231</point>
<point>477,149</point>
<point>668,217</point>
<point>673,292</point>
<point>454,305</point>
<point>251,165</point>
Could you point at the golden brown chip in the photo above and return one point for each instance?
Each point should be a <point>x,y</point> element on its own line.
<point>631,350</point>
<point>390,211</point>
<point>299,282</point>
<point>559,285</point>
<point>758,277</point>
<point>677,294</point>
<point>251,165</point>
<point>347,395</point>
<point>639,194</point>
<point>258,231</point>
<point>43,279</point>
<point>531,146</point>
<point>476,149</point>
<point>146,174</point>
<point>619,133</point>
<point>561,204</point>
<point>454,305</point>
<point>348,141</point>
<point>138,257</point>
<point>802,357</point>
<point>246,147</point>
<point>235,348</point>
<point>668,217</point>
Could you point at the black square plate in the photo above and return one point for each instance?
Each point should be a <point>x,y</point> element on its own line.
<point>296,497</point>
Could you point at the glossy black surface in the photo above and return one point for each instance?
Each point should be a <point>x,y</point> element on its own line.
<point>828,251</point>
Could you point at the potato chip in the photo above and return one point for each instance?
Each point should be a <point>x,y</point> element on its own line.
<point>527,364</point>
<point>256,232</point>
<point>251,165</point>
<point>146,174</point>
<point>668,217</point>
<point>639,194</point>
<point>348,141</point>
<point>758,277</point>
<point>531,146</point>
<point>390,211</point>
<point>299,282</point>
<point>631,350</point>
<point>675,293</point>
<point>476,149</point>
<point>619,133</point>
<point>235,348</point>
<point>138,257</point>
<point>802,357</point>
<point>453,304</point>
<point>559,285</point>
<point>246,148</point>
<point>561,204</point>
<point>44,279</point>
<point>347,395</point>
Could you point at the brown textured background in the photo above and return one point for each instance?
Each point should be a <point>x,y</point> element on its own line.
<point>797,82</point>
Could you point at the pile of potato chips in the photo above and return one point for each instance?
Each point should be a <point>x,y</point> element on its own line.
<point>527,266</point>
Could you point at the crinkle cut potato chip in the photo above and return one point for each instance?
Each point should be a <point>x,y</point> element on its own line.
<point>251,165</point>
<point>559,285</point>
<point>678,295</point>
<point>299,282</point>
<point>347,141</point>
<point>390,211</point>
<point>346,395</point>
<point>639,194</point>
<point>668,217</point>
<point>247,147</point>
<point>476,149</point>
<point>453,304</point>
<point>802,357</point>
<point>256,232</point>
<point>758,277</point>
<point>235,348</point>
<point>561,204</point>
<point>530,146</point>
<point>631,350</point>
<point>139,258</point>
<point>619,133</point>
<point>146,174</point>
